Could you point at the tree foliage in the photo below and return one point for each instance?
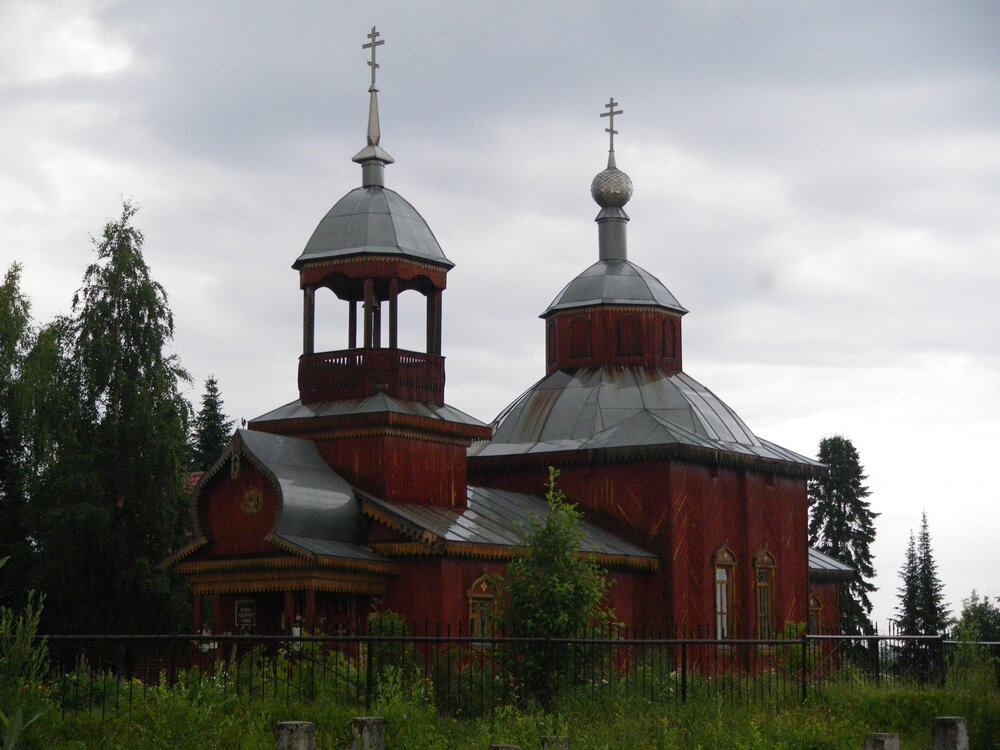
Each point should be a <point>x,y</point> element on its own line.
<point>109,499</point>
<point>551,591</point>
<point>212,429</point>
<point>922,609</point>
<point>980,618</point>
<point>16,340</point>
<point>842,525</point>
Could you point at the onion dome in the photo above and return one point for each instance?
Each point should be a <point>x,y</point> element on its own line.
<point>611,188</point>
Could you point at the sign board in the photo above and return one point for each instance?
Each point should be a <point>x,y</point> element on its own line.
<point>246,615</point>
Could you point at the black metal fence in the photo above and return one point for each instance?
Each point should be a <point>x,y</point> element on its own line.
<point>469,676</point>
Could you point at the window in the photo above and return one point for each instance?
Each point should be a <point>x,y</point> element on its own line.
<point>480,594</point>
<point>669,339</point>
<point>580,338</point>
<point>629,336</point>
<point>765,567</point>
<point>815,611</point>
<point>724,564</point>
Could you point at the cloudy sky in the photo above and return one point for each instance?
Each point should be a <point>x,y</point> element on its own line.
<point>818,183</point>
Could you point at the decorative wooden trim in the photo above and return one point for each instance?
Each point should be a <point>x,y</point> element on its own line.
<point>267,581</point>
<point>183,552</point>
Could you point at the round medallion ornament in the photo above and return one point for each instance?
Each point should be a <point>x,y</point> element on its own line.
<point>252,501</point>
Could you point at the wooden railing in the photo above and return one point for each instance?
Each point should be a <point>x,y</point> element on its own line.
<point>360,373</point>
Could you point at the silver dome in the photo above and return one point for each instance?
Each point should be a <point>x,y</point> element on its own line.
<point>372,220</point>
<point>614,282</point>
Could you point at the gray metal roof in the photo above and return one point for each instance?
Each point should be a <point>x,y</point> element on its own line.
<point>619,407</point>
<point>376,404</point>
<point>318,511</point>
<point>823,563</point>
<point>614,282</point>
<point>372,220</point>
<point>497,517</point>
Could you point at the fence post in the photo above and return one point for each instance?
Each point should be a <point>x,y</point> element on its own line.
<point>805,665</point>
<point>369,673</point>
<point>950,733</point>
<point>684,672</point>
<point>368,733</point>
<point>295,735</point>
<point>882,741</point>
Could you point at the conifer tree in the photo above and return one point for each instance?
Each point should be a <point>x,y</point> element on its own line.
<point>930,596</point>
<point>922,610</point>
<point>109,499</point>
<point>211,428</point>
<point>842,525</point>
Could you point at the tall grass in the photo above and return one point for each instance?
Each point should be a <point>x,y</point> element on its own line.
<point>200,714</point>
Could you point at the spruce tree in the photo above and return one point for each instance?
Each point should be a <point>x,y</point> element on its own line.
<point>109,500</point>
<point>930,596</point>
<point>842,525</point>
<point>211,428</point>
<point>907,613</point>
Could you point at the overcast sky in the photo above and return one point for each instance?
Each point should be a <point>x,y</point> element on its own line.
<point>818,183</point>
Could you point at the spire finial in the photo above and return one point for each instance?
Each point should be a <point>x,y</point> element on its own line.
<point>372,158</point>
<point>610,114</point>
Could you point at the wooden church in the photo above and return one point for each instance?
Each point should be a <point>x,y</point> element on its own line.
<point>369,491</point>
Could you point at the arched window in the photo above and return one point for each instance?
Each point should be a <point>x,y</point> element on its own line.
<point>550,340</point>
<point>580,338</point>
<point>815,613</point>
<point>669,338</point>
<point>765,568</point>
<point>480,595</point>
<point>724,567</point>
<point>629,336</point>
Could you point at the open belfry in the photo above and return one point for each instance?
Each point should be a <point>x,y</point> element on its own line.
<point>370,492</point>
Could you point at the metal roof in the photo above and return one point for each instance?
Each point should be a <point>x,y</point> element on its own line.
<point>372,220</point>
<point>500,518</point>
<point>318,511</point>
<point>619,407</point>
<point>823,563</point>
<point>614,282</point>
<point>379,403</point>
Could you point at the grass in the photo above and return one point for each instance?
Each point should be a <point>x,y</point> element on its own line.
<point>836,718</point>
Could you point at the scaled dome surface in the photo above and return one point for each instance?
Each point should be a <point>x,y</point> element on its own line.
<point>372,220</point>
<point>623,407</point>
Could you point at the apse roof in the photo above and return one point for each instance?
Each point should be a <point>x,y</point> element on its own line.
<point>372,220</point>
<point>500,518</point>
<point>623,407</point>
<point>614,282</point>
<point>319,512</point>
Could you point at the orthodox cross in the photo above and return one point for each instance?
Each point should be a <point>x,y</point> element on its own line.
<point>372,45</point>
<point>610,114</point>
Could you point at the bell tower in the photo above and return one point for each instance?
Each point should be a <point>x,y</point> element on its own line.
<point>376,410</point>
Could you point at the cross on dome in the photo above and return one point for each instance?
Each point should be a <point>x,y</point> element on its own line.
<point>375,42</point>
<point>610,114</point>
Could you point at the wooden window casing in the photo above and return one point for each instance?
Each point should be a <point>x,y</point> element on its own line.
<point>481,595</point>
<point>765,568</point>
<point>724,569</point>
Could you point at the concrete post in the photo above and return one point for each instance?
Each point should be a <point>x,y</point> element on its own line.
<point>882,741</point>
<point>295,735</point>
<point>555,743</point>
<point>950,733</point>
<point>369,733</point>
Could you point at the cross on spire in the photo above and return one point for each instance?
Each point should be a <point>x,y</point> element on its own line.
<point>610,114</point>
<point>375,42</point>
